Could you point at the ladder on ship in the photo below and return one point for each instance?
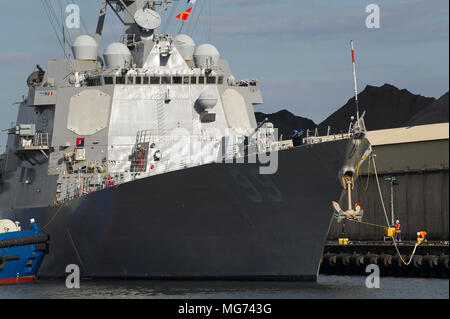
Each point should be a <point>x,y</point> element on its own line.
<point>161,118</point>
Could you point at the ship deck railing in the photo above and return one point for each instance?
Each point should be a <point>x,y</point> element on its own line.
<point>326,138</point>
<point>37,142</point>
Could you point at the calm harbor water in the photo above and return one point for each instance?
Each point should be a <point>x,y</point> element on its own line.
<point>327,287</point>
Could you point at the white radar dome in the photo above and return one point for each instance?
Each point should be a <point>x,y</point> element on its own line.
<point>85,48</point>
<point>185,45</point>
<point>117,55</point>
<point>208,99</point>
<point>206,56</point>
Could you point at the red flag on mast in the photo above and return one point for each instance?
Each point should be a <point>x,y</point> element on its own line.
<point>184,15</point>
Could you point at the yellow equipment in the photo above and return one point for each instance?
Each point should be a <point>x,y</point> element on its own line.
<point>389,231</point>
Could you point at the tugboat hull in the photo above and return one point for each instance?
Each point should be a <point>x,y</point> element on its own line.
<point>21,254</point>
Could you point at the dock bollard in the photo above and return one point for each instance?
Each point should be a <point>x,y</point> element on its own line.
<point>397,261</point>
<point>330,259</point>
<point>386,260</point>
<point>431,261</point>
<point>443,261</point>
<point>344,259</point>
<point>357,260</point>
<point>417,261</point>
<point>371,259</point>
<point>398,267</point>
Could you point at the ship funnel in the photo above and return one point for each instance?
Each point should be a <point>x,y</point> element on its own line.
<point>206,56</point>
<point>85,48</point>
<point>117,55</point>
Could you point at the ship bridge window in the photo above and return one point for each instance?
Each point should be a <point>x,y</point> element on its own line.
<point>145,79</point>
<point>177,80</point>
<point>130,80</point>
<point>108,80</point>
<point>211,80</point>
<point>201,80</point>
<point>94,81</point>
<point>165,80</point>
<point>138,80</point>
<point>220,80</point>
<point>186,80</point>
<point>120,80</point>
<point>155,80</point>
<point>193,80</point>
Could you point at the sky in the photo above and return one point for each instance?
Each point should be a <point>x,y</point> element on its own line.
<point>299,50</point>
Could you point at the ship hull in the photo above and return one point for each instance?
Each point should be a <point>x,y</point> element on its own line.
<point>215,221</point>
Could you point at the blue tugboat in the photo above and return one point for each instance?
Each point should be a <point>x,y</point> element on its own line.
<point>21,251</point>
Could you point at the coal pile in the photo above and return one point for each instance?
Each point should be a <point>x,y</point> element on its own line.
<point>385,106</point>
<point>286,122</point>
<point>436,112</point>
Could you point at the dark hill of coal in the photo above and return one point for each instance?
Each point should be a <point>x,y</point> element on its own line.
<point>385,106</point>
<point>286,122</point>
<point>436,112</point>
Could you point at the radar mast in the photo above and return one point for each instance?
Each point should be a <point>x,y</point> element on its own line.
<point>141,20</point>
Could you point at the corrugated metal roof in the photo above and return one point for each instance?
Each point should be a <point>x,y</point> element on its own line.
<point>419,133</point>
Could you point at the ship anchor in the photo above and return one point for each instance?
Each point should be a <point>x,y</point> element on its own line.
<point>356,212</point>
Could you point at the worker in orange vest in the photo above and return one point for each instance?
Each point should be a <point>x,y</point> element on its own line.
<point>398,231</point>
<point>421,236</point>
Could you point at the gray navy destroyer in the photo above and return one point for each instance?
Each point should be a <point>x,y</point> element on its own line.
<point>142,164</point>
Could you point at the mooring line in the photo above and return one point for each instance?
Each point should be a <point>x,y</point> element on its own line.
<point>53,217</point>
<point>387,219</point>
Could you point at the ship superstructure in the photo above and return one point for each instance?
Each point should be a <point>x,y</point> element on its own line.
<point>121,159</point>
<point>157,100</point>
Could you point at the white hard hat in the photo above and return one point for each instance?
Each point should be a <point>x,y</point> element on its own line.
<point>418,233</point>
<point>397,221</point>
